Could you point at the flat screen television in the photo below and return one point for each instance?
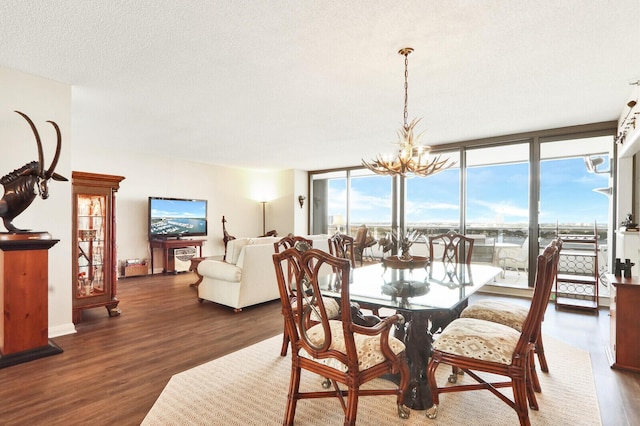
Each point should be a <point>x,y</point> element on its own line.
<point>177,218</point>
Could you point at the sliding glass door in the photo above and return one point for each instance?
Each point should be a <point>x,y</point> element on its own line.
<point>575,195</point>
<point>432,204</point>
<point>370,203</point>
<point>497,208</point>
<point>345,200</point>
<point>512,197</point>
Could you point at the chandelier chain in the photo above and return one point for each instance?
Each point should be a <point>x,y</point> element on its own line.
<point>412,158</point>
<point>406,88</point>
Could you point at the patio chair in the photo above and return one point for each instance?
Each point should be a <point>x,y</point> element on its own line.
<point>363,241</point>
<point>484,251</point>
<point>343,352</point>
<point>516,258</point>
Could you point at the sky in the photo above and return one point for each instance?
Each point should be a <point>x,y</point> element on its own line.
<point>178,208</point>
<point>495,194</point>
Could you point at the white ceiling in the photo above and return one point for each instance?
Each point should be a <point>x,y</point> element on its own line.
<point>319,84</point>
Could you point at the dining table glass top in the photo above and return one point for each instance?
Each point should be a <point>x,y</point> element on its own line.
<point>435,287</point>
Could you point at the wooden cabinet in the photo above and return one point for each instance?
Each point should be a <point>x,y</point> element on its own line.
<point>169,246</point>
<point>624,347</point>
<point>94,248</point>
<point>578,273</point>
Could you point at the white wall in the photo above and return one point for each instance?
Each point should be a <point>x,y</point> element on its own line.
<point>301,187</point>
<point>234,193</point>
<point>231,192</point>
<point>628,147</point>
<point>42,100</point>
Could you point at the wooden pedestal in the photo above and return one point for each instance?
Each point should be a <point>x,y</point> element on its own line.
<point>24,281</point>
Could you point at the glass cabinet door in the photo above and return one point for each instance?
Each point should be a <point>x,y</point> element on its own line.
<point>91,223</point>
<point>93,236</point>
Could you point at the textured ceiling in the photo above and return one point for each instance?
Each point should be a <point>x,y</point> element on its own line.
<point>319,84</point>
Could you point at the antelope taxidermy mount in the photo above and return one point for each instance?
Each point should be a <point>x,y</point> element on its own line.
<point>20,185</point>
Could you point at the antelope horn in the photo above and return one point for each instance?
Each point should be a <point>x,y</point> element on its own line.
<point>38,141</point>
<point>54,162</point>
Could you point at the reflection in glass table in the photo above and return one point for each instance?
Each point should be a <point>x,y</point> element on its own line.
<point>428,298</point>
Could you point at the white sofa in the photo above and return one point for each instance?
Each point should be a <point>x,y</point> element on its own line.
<point>247,277</point>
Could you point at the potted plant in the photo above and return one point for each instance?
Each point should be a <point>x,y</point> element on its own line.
<point>405,241</point>
<point>402,241</point>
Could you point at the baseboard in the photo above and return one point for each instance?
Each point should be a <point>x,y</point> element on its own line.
<point>502,290</point>
<point>62,330</point>
<point>526,293</point>
<point>29,355</point>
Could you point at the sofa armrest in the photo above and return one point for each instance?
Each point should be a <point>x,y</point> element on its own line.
<point>220,270</point>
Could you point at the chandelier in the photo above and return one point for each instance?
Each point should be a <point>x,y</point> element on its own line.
<point>413,158</point>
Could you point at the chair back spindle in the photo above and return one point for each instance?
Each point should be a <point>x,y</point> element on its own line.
<point>457,248</point>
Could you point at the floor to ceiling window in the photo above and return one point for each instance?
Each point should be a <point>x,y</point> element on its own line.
<point>502,192</point>
<point>575,198</point>
<point>345,200</point>
<point>497,208</point>
<point>370,202</point>
<point>432,204</point>
<point>329,202</point>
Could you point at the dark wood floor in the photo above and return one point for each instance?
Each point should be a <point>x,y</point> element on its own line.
<point>113,369</point>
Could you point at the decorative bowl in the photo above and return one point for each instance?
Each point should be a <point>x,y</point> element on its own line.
<point>394,262</point>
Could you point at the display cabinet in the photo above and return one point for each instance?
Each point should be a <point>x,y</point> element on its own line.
<point>94,248</point>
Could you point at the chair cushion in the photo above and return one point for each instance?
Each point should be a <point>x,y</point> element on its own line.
<point>505,313</point>
<point>478,339</point>
<point>368,347</point>
<point>331,306</point>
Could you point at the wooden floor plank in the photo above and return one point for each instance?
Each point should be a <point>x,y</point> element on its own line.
<point>113,369</point>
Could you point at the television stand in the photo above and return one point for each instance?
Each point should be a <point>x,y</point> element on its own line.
<point>166,245</point>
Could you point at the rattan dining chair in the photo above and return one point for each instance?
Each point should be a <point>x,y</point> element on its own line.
<point>302,243</point>
<point>456,248</point>
<point>477,346</point>
<point>452,249</point>
<point>342,246</point>
<point>513,315</point>
<point>347,354</point>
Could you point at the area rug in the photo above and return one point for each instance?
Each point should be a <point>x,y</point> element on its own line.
<point>249,387</point>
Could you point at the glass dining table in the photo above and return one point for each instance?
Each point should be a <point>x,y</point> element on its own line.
<point>427,297</point>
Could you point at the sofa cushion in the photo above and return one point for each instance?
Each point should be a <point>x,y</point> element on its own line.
<point>220,270</point>
<point>265,244</point>
<point>234,247</point>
